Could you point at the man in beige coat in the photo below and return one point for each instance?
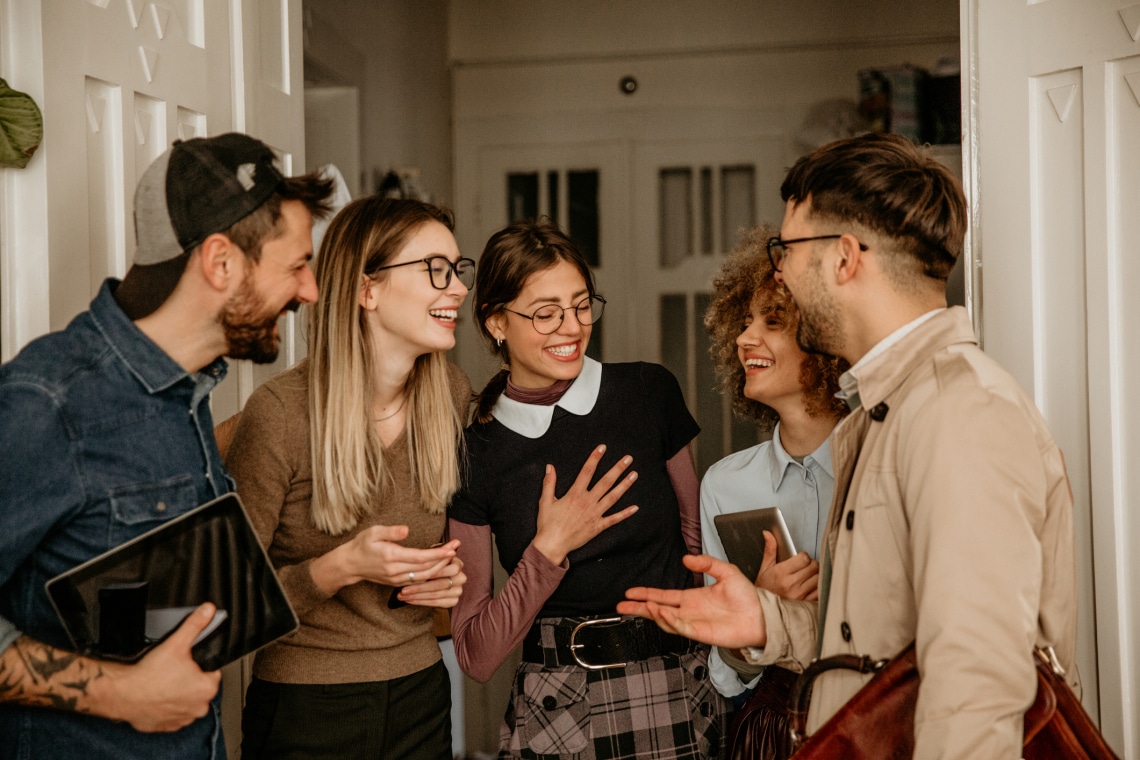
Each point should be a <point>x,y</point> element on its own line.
<point>951,523</point>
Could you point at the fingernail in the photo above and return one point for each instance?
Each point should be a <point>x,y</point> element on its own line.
<point>547,469</point>
<point>602,449</point>
<point>633,476</point>
<point>627,460</point>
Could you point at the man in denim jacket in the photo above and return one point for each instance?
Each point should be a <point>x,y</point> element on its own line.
<point>106,433</point>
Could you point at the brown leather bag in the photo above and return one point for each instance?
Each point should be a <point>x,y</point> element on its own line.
<point>878,722</point>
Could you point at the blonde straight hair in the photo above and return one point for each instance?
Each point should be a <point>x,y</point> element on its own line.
<point>350,478</point>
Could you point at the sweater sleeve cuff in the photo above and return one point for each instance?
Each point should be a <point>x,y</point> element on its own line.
<point>303,593</point>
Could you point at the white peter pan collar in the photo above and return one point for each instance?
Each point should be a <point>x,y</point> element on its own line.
<point>533,420</point>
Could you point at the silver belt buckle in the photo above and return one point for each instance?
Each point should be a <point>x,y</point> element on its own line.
<point>575,647</point>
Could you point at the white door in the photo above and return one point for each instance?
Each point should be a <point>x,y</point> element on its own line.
<point>1053,168</point>
<point>270,97</point>
<point>116,81</point>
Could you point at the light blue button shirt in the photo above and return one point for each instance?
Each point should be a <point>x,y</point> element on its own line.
<point>766,476</point>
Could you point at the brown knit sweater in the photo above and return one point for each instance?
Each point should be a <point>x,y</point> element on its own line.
<point>352,636</point>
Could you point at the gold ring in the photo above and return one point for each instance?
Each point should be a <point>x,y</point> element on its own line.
<point>411,577</point>
<point>450,583</point>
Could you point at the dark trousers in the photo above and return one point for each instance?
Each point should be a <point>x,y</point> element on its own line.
<point>407,717</point>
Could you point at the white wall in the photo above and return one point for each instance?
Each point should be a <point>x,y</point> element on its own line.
<point>484,31</point>
<point>395,51</point>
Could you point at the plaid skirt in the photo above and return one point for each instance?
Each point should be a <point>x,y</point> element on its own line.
<point>660,707</point>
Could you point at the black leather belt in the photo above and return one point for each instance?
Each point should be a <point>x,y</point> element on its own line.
<point>599,643</point>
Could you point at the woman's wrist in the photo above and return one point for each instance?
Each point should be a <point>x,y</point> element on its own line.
<point>329,573</point>
<point>552,553</point>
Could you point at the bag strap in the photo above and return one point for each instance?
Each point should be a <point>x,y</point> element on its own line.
<point>801,692</point>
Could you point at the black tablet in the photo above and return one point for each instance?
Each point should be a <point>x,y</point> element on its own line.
<point>742,535</point>
<point>121,603</point>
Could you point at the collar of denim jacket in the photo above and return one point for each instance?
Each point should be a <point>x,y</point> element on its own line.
<point>150,364</point>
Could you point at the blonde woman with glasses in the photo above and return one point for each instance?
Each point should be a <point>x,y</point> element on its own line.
<point>573,537</point>
<point>346,464</point>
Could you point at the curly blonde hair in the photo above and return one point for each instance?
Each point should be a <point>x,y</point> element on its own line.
<point>747,278</point>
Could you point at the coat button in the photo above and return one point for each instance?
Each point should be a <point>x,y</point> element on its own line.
<point>706,709</point>
<point>879,412</point>
<point>549,703</point>
<point>845,631</point>
<point>699,672</point>
<point>851,519</point>
<point>160,507</point>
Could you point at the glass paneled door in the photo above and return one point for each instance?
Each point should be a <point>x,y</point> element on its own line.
<point>584,188</point>
<point>692,204</point>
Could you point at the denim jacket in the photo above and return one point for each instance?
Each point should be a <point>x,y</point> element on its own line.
<point>104,438</point>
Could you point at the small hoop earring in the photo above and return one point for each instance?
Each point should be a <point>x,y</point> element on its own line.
<point>498,343</point>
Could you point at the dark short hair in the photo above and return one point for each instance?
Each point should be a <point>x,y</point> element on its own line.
<point>886,184</point>
<point>264,223</point>
<point>747,278</point>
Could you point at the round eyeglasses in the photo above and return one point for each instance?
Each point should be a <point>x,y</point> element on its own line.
<point>440,269</point>
<point>547,319</point>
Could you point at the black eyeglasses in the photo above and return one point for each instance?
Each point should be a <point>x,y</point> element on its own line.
<point>778,249</point>
<point>440,269</point>
<point>547,319</point>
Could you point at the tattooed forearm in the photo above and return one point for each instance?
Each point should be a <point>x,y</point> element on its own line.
<point>37,675</point>
<point>46,662</point>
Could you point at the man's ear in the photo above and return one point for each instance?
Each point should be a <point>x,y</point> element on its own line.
<point>850,258</point>
<point>220,261</point>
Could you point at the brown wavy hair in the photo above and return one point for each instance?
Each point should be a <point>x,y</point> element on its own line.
<point>746,278</point>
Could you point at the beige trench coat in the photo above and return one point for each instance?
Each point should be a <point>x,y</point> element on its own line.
<point>951,525</point>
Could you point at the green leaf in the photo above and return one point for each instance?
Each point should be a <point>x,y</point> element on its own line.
<point>21,127</point>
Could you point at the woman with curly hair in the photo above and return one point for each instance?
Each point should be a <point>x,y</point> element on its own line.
<point>752,322</point>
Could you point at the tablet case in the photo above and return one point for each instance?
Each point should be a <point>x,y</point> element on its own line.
<point>120,604</point>
<point>742,536</point>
